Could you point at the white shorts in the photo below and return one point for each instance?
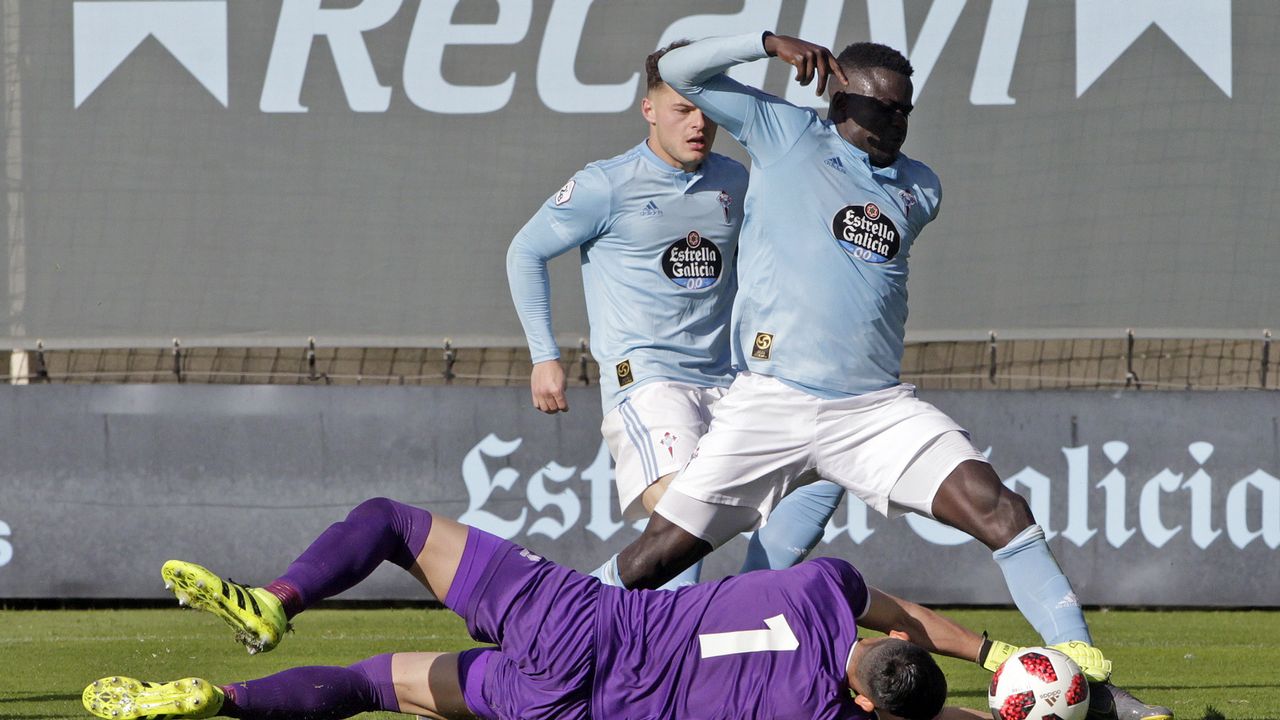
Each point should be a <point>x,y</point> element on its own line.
<point>652,433</point>
<point>766,435</point>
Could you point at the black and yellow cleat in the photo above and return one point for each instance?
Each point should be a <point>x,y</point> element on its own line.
<point>256,615</point>
<point>123,698</point>
<point>1109,702</point>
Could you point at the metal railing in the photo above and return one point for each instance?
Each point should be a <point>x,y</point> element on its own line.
<point>1128,362</point>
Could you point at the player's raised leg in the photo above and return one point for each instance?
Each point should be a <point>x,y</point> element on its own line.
<point>426,684</point>
<point>428,546</point>
<point>972,498</point>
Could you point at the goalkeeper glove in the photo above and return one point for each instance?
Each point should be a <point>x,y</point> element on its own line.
<point>1095,666</point>
<point>994,653</point>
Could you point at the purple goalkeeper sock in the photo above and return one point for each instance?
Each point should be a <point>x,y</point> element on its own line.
<point>315,693</point>
<point>345,553</point>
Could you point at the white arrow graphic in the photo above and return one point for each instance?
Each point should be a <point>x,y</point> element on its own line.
<point>778,637</point>
<point>1106,28</point>
<point>193,31</point>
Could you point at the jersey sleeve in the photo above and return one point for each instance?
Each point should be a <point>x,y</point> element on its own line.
<point>766,125</point>
<point>578,213</point>
<point>850,582</point>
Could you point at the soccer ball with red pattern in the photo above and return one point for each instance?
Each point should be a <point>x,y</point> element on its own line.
<point>1038,684</point>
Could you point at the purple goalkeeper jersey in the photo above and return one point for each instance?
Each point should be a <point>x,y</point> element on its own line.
<point>772,644</point>
<point>768,644</point>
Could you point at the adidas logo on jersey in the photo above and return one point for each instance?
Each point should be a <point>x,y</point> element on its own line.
<point>834,163</point>
<point>650,209</point>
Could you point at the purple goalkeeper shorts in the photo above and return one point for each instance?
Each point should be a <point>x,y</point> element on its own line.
<point>541,616</point>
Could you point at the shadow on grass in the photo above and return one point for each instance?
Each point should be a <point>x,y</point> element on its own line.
<point>32,697</point>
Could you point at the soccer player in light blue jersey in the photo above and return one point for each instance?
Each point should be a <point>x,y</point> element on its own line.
<point>832,212</point>
<point>656,229</point>
<point>562,646</point>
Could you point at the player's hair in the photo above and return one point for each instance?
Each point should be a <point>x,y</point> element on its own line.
<point>652,76</point>
<point>863,55</point>
<point>903,679</point>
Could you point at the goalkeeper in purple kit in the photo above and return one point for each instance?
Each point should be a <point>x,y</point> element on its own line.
<point>767,644</point>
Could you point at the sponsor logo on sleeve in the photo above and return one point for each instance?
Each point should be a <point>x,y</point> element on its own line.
<point>625,377</point>
<point>565,193</point>
<point>865,233</point>
<point>693,262</point>
<point>763,346</point>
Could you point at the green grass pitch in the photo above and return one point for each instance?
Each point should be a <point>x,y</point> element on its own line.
<point>1203,664</point>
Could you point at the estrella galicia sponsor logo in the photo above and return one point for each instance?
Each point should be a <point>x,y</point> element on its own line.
<point>865,233</point>
<point>693,262</point>
<point>762,348</point>
<point>625,377</point>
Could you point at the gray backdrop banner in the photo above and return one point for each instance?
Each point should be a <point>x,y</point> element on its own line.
<point>1148,499</point>
<point>244,172</point>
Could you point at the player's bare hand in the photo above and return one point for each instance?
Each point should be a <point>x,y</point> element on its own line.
<point>547,386</point>
<point>809,59</point>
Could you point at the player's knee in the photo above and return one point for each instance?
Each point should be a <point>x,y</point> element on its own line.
<point>378,508</point>
<point>1011,515</point>
<point>375,685</point>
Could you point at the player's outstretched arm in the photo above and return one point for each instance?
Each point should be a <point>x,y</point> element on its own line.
<point>924,627</point>
<point>809,59</point>
<point>767,126</point>
<point>696,71</point>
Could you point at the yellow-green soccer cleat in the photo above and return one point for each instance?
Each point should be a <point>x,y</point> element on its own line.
<point>122,698</point>
<point>255,614</point>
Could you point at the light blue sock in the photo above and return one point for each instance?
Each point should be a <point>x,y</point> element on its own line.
<point>795,526</point>
<point>608,574</point>
<point>1040,590</point>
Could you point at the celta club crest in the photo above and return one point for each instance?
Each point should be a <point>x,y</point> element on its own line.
<point>725,201</point>
<point>908,201</point>
<point>668,441</point>
<point>565,193</point>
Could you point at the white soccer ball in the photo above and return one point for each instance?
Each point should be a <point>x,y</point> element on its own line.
<point>1038,683</point>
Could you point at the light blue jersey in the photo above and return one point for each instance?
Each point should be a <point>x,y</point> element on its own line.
<point>823,259</point>
<point>658,247</point>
